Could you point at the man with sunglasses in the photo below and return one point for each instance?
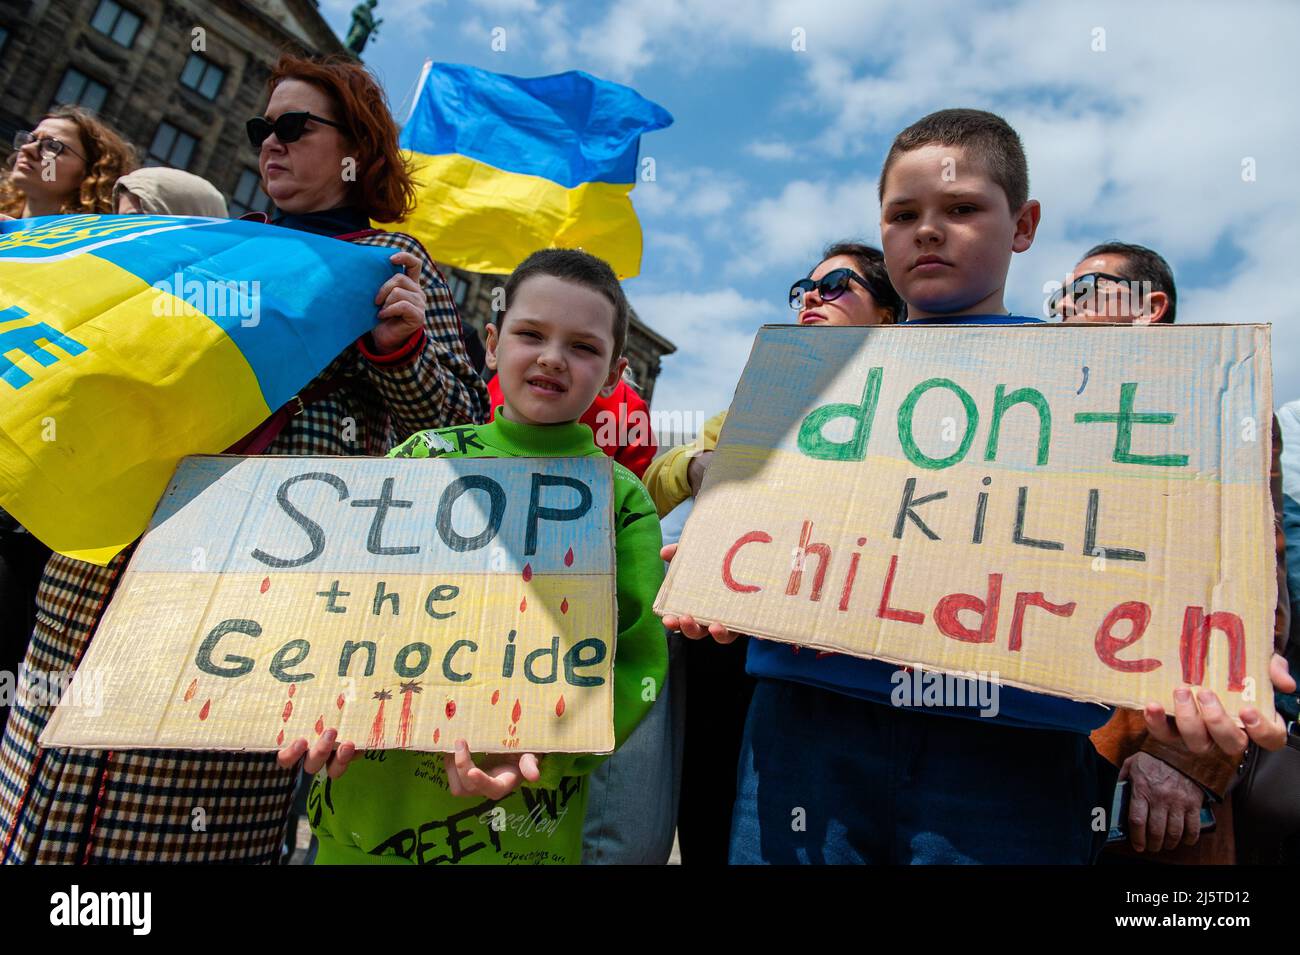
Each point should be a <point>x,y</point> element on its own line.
<point>1117,282</point>
<point>1130,284</point>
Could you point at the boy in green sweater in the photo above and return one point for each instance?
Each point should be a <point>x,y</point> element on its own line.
<point>559,343</point>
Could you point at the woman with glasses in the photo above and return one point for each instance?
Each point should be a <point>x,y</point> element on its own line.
<point>409,373</point>
<point>67,164</point>
<point>849,286</point>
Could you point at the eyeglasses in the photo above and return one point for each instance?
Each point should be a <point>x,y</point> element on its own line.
<point>830,286</point>
<point>288,127</point>
<point>1083,287</point>
<point>48,145</point>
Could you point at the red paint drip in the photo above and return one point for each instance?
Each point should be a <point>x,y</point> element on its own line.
<point>559,706</point>
<point>568,558</point>
<point>339,701</point>
<point>512,729</point>
<point>189,694</point>
<point>516,712</point>
<point>528,572</point>
<point>404,722</point>
<point>451,708</point>
<point>564,605</point>
<point>320,724</point>
<point>207,708</point>
<point>523,605</point>
<point>376,739</point>
<point>293,688</point>
<point>496,695</point>
<point>266,585</point>
<point>288,711</point>
<point>436,734</point>
<point>279,739</point>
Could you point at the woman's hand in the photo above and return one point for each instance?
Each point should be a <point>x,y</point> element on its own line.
<point>687,625</point>
<point>319,753</point>
<point>1202,728</point>
<point>500,776</point>
<point>402,304</point>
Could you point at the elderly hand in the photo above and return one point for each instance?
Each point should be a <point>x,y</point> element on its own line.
<point>402,303</point>
<point>695,470</point>
<point>1165,806</point>
<point>1201,729</point>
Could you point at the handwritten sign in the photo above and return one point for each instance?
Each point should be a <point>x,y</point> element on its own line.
<point>410,603</point>
<point>1081,511</point>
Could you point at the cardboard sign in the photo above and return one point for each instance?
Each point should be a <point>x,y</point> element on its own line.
<point>409,603</point>
<point>1078,510</point>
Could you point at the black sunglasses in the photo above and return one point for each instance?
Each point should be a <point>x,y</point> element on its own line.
<point>288,127</point>
<point>1083,286</point>
<point>830,286</point>
<point>48,145</point>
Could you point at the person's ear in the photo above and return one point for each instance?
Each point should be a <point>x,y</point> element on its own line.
<point>490,333</point>
<point>614,377</point>
<point>1026,225</point>
<point>1157,307</point>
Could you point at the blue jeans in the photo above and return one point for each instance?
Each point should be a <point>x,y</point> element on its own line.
<point>832,779</point>
<point>632,796</point>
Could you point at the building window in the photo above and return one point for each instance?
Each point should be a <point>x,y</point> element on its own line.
<point>115,21</point>
<point>248,196</point>
<point>171,147</point>
<point>78,89</point>
<point>203,76</point>
<point>458,287</point>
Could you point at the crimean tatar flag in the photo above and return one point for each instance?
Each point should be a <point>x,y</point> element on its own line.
<point>505,165</point>
<point>128,342</point>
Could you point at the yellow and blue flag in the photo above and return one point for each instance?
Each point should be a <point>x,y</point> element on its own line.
<point>128,342</point>
<point>505,165</point>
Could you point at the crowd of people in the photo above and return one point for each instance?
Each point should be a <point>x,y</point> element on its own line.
<point>746,753</point>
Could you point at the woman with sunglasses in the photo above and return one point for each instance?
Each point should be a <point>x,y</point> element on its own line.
<point>409,373</point>
<point>67,164</point>
<point>849,286</point>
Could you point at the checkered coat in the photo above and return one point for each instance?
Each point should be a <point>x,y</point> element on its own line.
<point>76,806</point>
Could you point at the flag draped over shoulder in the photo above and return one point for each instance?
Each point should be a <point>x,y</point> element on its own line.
<point>505,165</point>
<point>128,342</point>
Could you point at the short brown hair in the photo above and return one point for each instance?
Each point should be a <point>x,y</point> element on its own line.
<point>987,137</point>
<point>108,157</point>
<point>383,188</point>
<point>581,268</point>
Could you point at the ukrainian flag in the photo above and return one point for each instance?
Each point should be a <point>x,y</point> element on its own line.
<point>128,342</point>
<point>506,165</point>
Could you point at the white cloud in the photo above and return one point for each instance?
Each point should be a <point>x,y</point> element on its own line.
<point>703,379</point>
<point>789,231</point>
<point>772,149</point>
<point>686,192</point>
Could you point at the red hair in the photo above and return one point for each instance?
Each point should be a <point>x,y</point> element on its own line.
<point>383,188</point>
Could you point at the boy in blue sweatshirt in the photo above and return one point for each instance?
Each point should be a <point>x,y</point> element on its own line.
<point>830,771</point>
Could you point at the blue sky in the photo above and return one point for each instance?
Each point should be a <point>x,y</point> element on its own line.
<point>1141,122</point>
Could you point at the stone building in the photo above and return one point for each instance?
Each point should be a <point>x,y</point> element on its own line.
<point>177,78</point>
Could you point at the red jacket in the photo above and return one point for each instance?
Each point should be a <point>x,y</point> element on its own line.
<point>620,424</point>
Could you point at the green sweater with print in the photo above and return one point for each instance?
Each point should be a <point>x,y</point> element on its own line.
<point>393,806</point>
